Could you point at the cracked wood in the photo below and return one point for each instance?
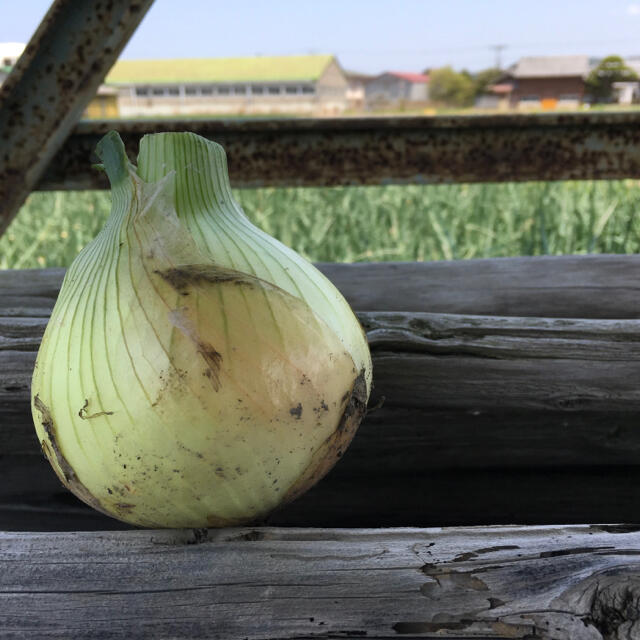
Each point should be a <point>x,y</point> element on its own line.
<point>560,583</point>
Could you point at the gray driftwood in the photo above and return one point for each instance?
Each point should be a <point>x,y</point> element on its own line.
<point>436,363</point>
<point>560,583</point>
<point>484,419</point>
<point>589,286</point>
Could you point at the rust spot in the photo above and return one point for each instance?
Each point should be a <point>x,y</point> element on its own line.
<point>400,150</point>
<point>127,507</point>
<point>333,447</point>
<point>60,465</point>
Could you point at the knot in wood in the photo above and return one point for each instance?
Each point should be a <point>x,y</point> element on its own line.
<point>615,608</point>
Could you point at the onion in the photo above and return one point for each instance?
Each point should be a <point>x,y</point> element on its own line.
<point>195,372</point>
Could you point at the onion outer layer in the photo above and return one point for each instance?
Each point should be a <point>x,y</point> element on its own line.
<point>194,372</point>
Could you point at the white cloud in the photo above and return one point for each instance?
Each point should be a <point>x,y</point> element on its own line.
<point>633,9</point>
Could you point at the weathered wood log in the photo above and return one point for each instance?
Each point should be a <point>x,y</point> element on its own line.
<point>433,362</point>
<point>560,583</point>
<point>32,498</point>
<point>478,411</point>
<point>481,408</point>
<point>589,286</point>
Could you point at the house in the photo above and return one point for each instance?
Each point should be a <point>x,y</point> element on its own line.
<point>495,97</point>
<point>311,85</point>
<point>548,82</point>
<point>396,87</point>
<point>356,88</point>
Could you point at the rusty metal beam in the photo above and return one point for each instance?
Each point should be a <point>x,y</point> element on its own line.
<point>52,83</point>
<point>400,150</point>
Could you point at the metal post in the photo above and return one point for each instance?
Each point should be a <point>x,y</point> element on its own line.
<point>59,72</point>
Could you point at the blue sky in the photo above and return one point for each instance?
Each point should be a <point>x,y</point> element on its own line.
<point>372,35</point>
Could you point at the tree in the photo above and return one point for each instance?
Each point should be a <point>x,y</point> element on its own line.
<point>482,80</point>
<point>451,88</point>
<point>600,81</point>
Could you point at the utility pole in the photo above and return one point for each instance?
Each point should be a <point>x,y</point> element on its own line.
<point>498,49</point>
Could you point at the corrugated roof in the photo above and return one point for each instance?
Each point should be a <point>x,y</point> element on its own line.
<point>551,66</point>
<point>257,69</point>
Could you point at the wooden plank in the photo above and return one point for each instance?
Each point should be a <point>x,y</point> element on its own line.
<point>448,438</point>
<point>545,409</point>
<point>32,498</point>
<point>586,286</point>
<point>578,583</point>
<point>346,151</point>
<point>52,83</point>
<point>425,363</point>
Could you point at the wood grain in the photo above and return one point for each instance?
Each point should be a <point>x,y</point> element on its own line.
<point>586,286</point>
<point>429,363</point>
<point>560,583</point>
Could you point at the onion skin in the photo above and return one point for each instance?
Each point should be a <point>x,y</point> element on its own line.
<point>173,391</point>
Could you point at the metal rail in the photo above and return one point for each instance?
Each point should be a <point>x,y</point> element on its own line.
<point>368,151</point>
<point>52,83</point>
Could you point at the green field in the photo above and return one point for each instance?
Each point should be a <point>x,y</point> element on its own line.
<point>399,223</point>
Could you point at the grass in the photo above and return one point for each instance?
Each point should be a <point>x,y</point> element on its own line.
<point>400,223</point>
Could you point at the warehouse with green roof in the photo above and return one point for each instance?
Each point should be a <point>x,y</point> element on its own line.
<point>309,85</point>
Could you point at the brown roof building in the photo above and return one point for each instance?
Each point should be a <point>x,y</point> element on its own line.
<point>548,82</point>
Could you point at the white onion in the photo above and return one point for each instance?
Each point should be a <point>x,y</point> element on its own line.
<point>195,371</point>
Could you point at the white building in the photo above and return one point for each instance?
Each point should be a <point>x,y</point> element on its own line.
<point>396,87</point>
<point>312,85</point>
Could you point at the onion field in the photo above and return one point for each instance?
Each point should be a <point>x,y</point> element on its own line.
<point>399,223</point>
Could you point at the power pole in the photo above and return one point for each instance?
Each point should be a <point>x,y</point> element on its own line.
<point>498,49</point>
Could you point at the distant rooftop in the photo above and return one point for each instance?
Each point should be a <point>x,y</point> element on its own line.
<point>257,69</point>
<point>358,75</point>
<point>411,77</point>
<point>550,66</point>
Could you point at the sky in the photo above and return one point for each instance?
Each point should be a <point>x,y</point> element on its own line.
<point>371,36</point>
